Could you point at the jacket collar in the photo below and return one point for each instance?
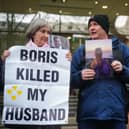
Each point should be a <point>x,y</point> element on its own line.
<point>115,41</point>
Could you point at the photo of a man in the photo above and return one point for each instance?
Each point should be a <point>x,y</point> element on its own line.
<point>59,42</point>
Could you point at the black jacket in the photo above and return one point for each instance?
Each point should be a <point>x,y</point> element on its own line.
<point>1,75</point>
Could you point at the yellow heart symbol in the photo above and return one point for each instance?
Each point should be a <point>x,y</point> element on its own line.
<point>9,91</point>
<point>14,87</point>
<point>13,97</point>
<point>19,92</point>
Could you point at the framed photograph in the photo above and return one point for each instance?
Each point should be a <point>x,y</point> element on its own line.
<point>99,57</point>
<point>60,42</point>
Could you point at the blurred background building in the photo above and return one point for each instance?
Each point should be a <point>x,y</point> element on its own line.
<point>68,18</point>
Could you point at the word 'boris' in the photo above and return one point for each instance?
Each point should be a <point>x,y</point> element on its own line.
<point>39,56</point>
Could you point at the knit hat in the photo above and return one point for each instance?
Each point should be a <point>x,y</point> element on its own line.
<point>102,20</point>
<point>34,26</point>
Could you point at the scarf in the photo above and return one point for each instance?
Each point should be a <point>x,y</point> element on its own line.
<point>32,44</point>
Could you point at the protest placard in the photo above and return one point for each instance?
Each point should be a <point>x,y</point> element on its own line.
<point>36,86</point>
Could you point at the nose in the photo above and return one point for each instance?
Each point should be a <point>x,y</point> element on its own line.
<point>91,28</point>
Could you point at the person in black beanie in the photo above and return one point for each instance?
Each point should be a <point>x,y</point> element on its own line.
<point>102,102</point>
<point>102,20</point>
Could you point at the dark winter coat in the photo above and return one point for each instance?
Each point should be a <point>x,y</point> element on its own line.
<point>101,99</point>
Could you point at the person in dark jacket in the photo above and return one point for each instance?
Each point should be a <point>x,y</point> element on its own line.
<point>102,103</point>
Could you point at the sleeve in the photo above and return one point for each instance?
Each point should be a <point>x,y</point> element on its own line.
<point>0,68</point>
<point>1,73</point>
<point>76,68</point>
<point>125,72</point>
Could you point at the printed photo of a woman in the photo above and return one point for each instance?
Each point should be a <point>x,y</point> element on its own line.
<point>100,64</point>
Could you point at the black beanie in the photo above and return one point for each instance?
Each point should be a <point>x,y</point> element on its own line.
<point>102,20</point>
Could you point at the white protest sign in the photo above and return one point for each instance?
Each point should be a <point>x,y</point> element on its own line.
<point>36,86</point>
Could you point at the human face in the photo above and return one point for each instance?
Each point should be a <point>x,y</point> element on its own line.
<point>57,42</point>
<point>96,31</point>
<point>98,54</point>
<point>40,38</point>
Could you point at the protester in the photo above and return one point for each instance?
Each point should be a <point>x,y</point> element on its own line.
<point>102,102</point>
<point>37,36</point>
